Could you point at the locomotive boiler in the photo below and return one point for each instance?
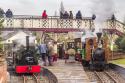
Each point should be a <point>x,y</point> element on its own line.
<point>25,59</point>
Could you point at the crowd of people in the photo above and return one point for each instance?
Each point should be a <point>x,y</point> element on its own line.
<point>64,15</point>
<point>69,15</point>
<point>48,51</point>
<point>8,13</point>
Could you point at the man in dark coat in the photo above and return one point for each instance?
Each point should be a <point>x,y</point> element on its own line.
<point>65,15</point>
<point>79,15</point>
<point>9,13</point>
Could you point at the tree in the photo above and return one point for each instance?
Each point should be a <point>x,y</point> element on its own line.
<point>1,13</point>
<point>118,41</point>
<point>122,44</point>
<point>1,25</point>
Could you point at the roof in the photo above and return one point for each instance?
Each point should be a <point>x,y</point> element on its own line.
<point>9,35</point>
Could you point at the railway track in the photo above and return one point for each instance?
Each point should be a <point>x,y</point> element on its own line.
<point>104,77</point>
<point>31,79</point>
<point>44,77</point>
<point>107,76</point>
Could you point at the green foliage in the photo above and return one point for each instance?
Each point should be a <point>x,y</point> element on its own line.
<point>1,24</point>
<point>1,13</point>
<point>115,48</point>
<point>118,41</point>
<point>122,44</point>
<point>34,33</point>
<point>1,46</point>
<point>119,61</point>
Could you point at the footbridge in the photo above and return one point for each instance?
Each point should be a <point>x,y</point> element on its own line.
<point>51,24</point>
<point>57,25</point>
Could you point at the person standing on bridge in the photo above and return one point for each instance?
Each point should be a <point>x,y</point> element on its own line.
<point>79,15</point>
<point>70,15</point>
<point>66,15</point>
<point>9,13</point>
<point>44,15</point>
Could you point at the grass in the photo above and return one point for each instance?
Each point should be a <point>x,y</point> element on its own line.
<point>119,61</point>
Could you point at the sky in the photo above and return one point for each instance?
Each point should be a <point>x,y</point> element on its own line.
<point>36,7</point>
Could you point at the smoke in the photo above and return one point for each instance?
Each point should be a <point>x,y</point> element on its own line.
<point>22,42</point>
<point>103,9</point>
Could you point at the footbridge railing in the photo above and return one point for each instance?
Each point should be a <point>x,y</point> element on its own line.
<point>115,27</point>
<point>20,21</point>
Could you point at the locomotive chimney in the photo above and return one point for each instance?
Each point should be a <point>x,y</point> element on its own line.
<point>27,42</point>
<point>99,34</point>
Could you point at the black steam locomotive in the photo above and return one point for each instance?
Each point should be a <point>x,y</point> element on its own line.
<point>98,59</point>
<point>25,59</point>
<point>95,53</point>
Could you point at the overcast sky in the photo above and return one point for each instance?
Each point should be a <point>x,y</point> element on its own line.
<point>35,7</point>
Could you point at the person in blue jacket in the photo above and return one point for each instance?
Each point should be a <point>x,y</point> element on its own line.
<point>79,15</point>
<point>9,13</point>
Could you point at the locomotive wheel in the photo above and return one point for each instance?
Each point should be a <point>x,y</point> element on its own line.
<point>85,63</point>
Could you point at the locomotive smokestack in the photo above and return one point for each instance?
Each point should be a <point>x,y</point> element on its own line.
<point>99,34</point>
<point>27,42</point>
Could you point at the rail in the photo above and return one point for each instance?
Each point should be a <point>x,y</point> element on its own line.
<point>105,77</point>
<point>24,21</point>
<point>98,76</point>
<point>115,27</point>
<point>115,81</point>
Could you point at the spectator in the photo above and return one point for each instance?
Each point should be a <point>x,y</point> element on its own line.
<point>9,13</point>
<point>43,52</point>
<point>55,55</point>
<point>93,17</point>
<point>44,15</point>
<point>70,15</point>
<point>113,17</point>
<point>1,13</point>
<point>50,53</point>
<point>65,15</point>
<point>79,15</point>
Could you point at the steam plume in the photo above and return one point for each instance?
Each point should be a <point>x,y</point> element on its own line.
<point>103,9</point>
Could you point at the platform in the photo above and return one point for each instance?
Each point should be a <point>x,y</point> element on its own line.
<point>68,72</point>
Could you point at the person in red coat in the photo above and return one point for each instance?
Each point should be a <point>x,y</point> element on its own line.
<point>44,15</point>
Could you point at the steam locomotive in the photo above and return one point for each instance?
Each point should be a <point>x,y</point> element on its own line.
<point>95,53</point>
<point>25,60</point>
